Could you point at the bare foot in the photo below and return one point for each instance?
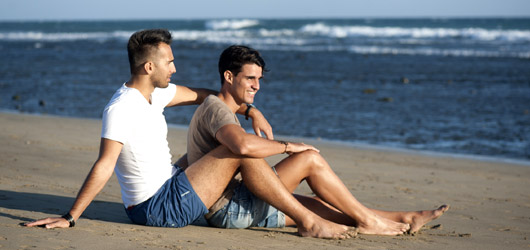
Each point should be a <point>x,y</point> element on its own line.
<point>382,226</point>
<point>420,218</point>
<point>326,230</point>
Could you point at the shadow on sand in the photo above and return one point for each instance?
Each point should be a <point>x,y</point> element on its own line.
<point>54,205</point>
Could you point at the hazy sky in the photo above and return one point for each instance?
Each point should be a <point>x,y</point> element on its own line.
<point>174,9</point>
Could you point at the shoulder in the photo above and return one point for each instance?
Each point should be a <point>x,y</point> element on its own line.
<point>213,101</point>
<point>170,89</point>
<point>124,101</point>
<point>163,96</point>
<point>124,94</point>
<point>218,113</point>
<point>214,107</point>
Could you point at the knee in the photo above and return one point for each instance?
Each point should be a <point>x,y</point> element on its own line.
<point>314,159</point>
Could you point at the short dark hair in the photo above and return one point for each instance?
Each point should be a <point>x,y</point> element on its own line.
<point>235,56</point>
<point>143,43</point>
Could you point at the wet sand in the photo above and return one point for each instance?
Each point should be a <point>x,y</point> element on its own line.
<point>44,160</point>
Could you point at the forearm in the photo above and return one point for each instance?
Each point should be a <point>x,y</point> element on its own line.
<point>256,147</point>
<point>202,94</point>
<point>190,96</point>
<point>94,183</point>
<point>259,122</point>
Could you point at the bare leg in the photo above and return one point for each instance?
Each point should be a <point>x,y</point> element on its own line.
<point>416,219</point>
<point>323,210</point>
<point>210,175</point>
<point>268,187</point>
<point>310,165</point>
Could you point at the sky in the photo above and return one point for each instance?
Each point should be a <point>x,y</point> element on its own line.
<point>207,9</point>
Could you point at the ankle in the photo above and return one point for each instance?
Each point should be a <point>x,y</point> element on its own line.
<point>307,222</point>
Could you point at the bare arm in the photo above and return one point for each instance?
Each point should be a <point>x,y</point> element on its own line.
<point>242,143</point>
<point>259,123</point>
<point>190,96</point>
<point>94,183</point>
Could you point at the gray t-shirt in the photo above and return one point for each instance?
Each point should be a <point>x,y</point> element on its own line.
<point>209,117</point>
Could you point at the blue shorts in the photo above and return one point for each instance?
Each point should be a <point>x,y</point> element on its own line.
<point>174,205</point>
<point>246,210</point>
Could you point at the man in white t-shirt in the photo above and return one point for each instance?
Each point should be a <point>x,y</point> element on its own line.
<point>134,145</point>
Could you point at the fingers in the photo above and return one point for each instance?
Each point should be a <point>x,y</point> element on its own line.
<point>58,224</point>
<point>257,131</point>
<point>309,147</point>
<point>49,223</point>
<point>268,133</point>
<point>300,147</point>
<point>313,148</point>
<point>39,222</point>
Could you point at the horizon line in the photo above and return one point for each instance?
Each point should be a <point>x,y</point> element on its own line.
<point>259,18</point>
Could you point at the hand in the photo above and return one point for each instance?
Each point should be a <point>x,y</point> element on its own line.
<point>52,222</point>
<point>259,124</point>
<point>295,147</point>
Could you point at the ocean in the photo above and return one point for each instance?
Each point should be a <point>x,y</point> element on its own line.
<point>457,86</point>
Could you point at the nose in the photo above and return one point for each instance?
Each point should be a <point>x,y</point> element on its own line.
<point>255,86</point>
<point>173,69</point>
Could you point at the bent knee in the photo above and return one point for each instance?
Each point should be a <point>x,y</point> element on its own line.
<point>313,158</point>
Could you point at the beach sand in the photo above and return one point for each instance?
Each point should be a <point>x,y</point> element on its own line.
<point>44,160</point>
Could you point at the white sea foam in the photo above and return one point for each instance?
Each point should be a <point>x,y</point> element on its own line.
<point>55,37</point>
<point>322,37</point>
<point>425,33</point>
<point>435,52</point>
<point>319,29</point>
<point>231,24</point>
<point>208,35</point>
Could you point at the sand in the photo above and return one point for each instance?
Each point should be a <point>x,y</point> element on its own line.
<point>44,160</point>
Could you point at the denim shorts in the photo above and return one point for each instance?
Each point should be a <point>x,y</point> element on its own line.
<point>175,204</point>
<point>246,210</point>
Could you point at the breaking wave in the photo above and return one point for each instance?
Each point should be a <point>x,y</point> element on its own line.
<point>319,36</point>
<point>231,24</point>
<point>425,33</point>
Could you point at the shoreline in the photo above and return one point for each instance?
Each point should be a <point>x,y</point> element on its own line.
<point>350,144</point>
<point>367,146</point>
<point>44,160</point>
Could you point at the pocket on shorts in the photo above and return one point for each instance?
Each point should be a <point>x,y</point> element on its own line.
<point>240,214</point>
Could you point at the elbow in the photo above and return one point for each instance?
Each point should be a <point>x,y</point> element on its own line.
<point>241,149</point>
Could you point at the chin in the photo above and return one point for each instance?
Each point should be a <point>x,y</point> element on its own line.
<point>249,100</point>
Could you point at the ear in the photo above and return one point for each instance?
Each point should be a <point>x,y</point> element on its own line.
<point>149,67</point>
<point>229,77</point>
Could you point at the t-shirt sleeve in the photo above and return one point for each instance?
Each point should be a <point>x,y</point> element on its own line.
<point>220,116</point>
<point>164,96</point>
<point>116,124</point>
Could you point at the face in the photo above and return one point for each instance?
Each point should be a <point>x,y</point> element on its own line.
<point>246,84</point>
<point>163,66</point>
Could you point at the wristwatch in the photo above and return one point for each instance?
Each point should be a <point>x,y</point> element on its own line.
<point>249,106</point>
<point>68,217</point>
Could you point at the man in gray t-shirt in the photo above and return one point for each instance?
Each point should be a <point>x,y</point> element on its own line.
<point>215,123</point>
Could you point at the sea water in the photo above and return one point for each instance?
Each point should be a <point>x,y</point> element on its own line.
<point>444,85</point>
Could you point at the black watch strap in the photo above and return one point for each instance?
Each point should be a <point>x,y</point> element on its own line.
<point>249,106</point>
<point>68,217</point>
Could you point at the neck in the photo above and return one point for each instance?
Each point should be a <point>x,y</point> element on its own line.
<point>142,84</point>
<point>229,100</point>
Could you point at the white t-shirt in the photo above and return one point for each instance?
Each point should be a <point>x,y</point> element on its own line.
<point>144,163</point>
